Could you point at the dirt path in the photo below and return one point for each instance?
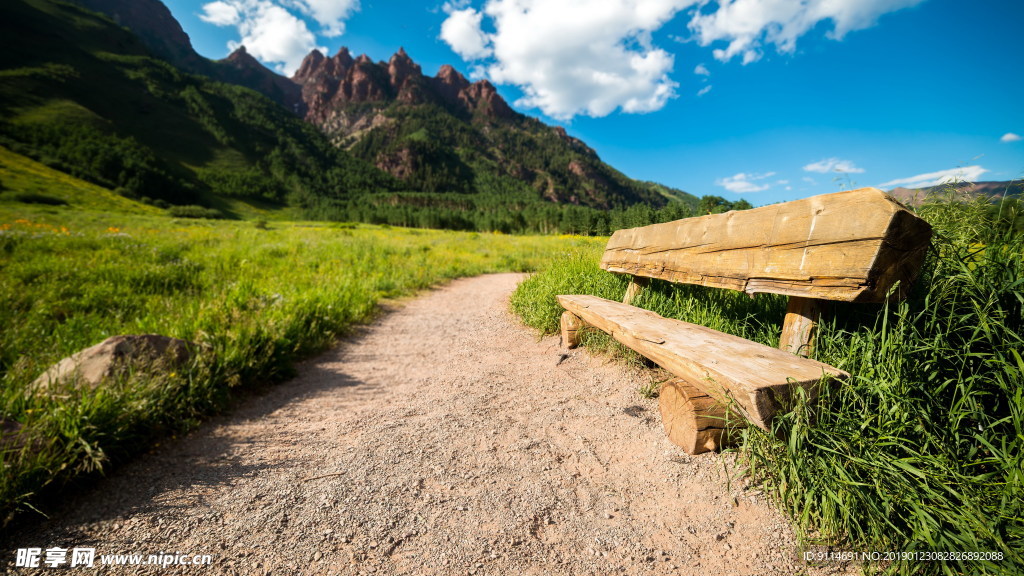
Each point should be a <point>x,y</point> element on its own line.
<point>444,439</point>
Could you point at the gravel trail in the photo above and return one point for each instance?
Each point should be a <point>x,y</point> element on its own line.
<point>446,438</point>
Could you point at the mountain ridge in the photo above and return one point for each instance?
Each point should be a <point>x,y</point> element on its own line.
<point>440,133</point>
<point>152,22</point>
<point>991,190</point>
<point>100,107</point>
<point>445,132</point>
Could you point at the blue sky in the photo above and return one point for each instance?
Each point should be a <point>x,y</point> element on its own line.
<point>766,100</point>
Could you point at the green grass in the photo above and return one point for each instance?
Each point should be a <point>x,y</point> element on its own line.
<point>255,296</point>
<point>20,175</point>
<point>924,449</point>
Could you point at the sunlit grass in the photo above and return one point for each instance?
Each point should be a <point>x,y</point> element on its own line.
<point>20,175</point>
<point>924,450</point>
<point>254,297</point>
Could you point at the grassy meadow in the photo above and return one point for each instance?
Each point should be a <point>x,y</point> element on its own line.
<point>924,450</point>
<point>255,296</point>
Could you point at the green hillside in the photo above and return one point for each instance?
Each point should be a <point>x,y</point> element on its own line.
<point>83,96</point>
<point>437,147</point>
<point>87,99</point>
<point>24,181</point>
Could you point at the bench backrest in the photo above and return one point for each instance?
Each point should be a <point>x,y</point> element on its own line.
<point>849,246</point>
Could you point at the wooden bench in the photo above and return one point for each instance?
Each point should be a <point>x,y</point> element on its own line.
<point>856,246</point>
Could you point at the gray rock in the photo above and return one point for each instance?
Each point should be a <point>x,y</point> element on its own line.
<point>114,357</point>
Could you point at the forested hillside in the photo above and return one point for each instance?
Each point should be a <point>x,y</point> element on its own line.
<point>382,143</point>
<point>96,105</point>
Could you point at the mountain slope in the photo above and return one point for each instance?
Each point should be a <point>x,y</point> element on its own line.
<point>962,190</point>
<point>435,134</point>
<point>87,97</point>
<point>444,133</point>
<point>84,95</point>
<point>163,35</point>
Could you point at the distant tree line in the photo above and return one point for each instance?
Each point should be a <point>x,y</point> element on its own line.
<point>488,212</point>
<point>169,138</point>
<point>146,130</point>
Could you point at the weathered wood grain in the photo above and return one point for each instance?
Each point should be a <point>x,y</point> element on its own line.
<point>635,287</point>
<point>693,420</point>
<point>571,325</point>
<point>758,378</point>
<point>850,246</point>
<point>801,325</point>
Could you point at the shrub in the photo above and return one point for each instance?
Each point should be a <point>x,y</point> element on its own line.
<point>34,198</point>
<point>193,211</point>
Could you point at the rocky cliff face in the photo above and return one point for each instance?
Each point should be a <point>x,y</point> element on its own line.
<point>329,85</point>
<point>438,133</point>
<point>445,133</point>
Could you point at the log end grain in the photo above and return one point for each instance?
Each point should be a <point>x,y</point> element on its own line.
<point>693,420</point>
<point>571,325</point>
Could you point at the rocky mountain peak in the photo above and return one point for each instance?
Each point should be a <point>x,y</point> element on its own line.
<point>451,77</point>
<point>329,84</point>
<point>343,58</point>
<point>309,67</point>
<point>449,84</point>
<point>240,57</point>
<point>242,68</point>
<point>482,95</point>
<point>401,68</point>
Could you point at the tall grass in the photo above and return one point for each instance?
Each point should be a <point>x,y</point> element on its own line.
<point>923,451</point>
<point>254,299</point>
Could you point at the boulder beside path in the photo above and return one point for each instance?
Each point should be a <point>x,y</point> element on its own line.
<point>115,357</point>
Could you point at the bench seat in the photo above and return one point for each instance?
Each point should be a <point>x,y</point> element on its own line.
<point>757,378</point>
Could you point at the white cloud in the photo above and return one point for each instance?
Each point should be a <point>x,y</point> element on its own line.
<point>742,182</point>
<point>461,30</point>
<point>220,14</point>
<point>964,173</point>
<point>1010,137</point>
<point>833,165</point>
<point>269,32</point>
<point>330,14</point>
<point>592,57</point>
<point>704,90</point>
<point>572,56</point>
<point>747,25</point>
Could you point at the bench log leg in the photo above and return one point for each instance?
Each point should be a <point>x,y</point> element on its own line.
<point>636,286</point>
<point>571,325</point>
<point>692,419</point>
<point>801,325</point>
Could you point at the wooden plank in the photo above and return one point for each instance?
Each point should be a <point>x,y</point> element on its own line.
<point>850,246</point>
<point>801,325</point>
<point>692,420</point>
<point>756,377</point>
<point>571,325</point>
<point>636,286</point>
